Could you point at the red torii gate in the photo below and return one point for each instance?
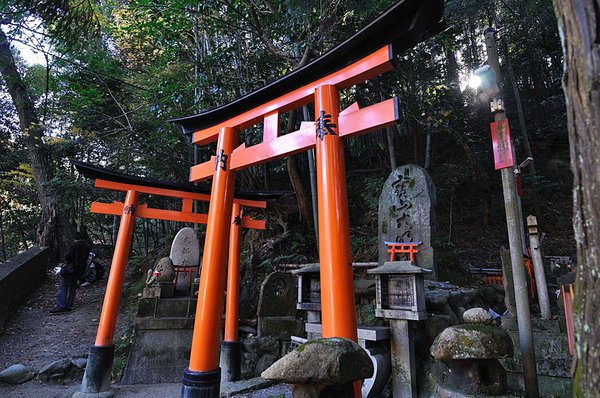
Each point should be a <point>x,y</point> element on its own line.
<point>98,371</point>
<point>367,54</point>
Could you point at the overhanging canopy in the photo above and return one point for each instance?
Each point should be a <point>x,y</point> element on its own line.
<point>404,24</point>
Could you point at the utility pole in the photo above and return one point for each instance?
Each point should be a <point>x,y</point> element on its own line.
<point>515,230</point>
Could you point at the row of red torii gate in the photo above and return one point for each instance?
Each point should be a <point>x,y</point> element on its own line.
<point>365,55</point>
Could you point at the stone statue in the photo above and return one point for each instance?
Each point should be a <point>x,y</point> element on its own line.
<point>164,271</point>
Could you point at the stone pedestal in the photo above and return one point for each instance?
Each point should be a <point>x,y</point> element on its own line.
<point>161,347</point>
<point>404,374</point>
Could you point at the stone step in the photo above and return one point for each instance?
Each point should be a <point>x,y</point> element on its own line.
<point>554,367</point>
<point>550,387</point>
<point>537,324</point>
<point>171,307</point>
<point>546,345</point>
<point>551,354</point>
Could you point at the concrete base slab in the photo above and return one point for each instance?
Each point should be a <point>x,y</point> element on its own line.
<point>103,394</point>
<point>447,392</point>
<point>228,389</point>
<point>231,388</point>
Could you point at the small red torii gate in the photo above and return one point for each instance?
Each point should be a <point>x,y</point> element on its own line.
<point>369,53</point>
<point>97,375</point>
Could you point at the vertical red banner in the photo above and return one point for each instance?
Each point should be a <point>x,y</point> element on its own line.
<point>501,144</point>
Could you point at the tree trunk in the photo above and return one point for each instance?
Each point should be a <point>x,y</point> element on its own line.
<point>296,180</point>
<point>49,231</point>
<point>428,147</point>
<point>578,22</point>
<point>2,241</point>
<point>390,141</point>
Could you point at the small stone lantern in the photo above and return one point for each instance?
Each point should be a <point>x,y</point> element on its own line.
<point>400,292</point>
<point>309,291</point>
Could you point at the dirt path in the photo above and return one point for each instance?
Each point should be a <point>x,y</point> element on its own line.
<point>34,337</point>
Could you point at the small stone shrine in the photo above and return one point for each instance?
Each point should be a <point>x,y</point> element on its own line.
<point>406,213</point>
<point>159,280</point>
<point>471,351</point>
<point>185,253</point>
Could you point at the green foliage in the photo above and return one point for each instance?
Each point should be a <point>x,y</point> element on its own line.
<point>144,62</point>
<point>372,186</point>
<point>122,348</point>
<point>365,315</point>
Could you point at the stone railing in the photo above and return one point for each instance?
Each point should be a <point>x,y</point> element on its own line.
<point>19,277</point>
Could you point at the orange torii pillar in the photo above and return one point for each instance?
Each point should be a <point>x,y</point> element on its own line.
<point>231,352</point>
<point>96,379</point>
<point>337,284</point>
<point>203,377</point>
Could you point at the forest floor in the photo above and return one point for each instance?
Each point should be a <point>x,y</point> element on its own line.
<point>34,337</point>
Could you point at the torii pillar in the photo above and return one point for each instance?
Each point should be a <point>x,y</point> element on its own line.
<point>337,284</point>
<point>203,377</point>
<point>96,379</point>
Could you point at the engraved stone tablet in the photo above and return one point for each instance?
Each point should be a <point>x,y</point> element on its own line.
<point>185,252</point>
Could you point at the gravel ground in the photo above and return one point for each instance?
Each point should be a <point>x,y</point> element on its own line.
<point>34,337</point>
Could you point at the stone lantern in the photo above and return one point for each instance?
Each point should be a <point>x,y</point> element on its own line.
<point>309,292</point>
<point>400,292</point>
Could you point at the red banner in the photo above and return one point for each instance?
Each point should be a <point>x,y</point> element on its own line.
<point>501,144</point>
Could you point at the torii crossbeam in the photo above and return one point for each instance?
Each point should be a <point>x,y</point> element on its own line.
<point>368,53</point>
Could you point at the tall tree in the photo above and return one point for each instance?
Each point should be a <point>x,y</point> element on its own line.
<point>579,21</point>
<point>69,21</point>
<point>49,231</point>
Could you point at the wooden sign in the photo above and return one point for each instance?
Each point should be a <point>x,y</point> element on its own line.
<point>501,144</point>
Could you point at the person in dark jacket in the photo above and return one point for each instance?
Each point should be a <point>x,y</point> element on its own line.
<point>75,262</point>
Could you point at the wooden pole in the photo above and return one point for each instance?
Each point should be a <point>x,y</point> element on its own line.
<point>538,267</point>
<point>514,227</point>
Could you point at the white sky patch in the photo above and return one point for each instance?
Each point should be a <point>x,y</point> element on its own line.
<point>31,56</point>
<point>31,45</point>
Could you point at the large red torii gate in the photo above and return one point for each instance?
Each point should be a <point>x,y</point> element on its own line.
<point>368,53</point>
<point>96,379</point>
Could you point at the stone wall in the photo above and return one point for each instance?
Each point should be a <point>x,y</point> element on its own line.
<point>19,277</point>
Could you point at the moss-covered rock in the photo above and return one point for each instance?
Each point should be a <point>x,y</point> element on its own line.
<point>472,342</point>
<point>332,361</point>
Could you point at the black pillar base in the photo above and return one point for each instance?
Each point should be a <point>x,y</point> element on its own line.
<point>231,353</point>
<point>96,379</point>
<point>201,384</point>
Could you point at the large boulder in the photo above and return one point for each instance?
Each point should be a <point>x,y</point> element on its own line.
<point>16,374</point>
<point>325,362</point>
<point>472,342</point>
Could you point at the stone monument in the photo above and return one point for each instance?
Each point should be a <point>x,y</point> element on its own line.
<point>277,307</point>
<point>185,252</point>
<point>406,213</point>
